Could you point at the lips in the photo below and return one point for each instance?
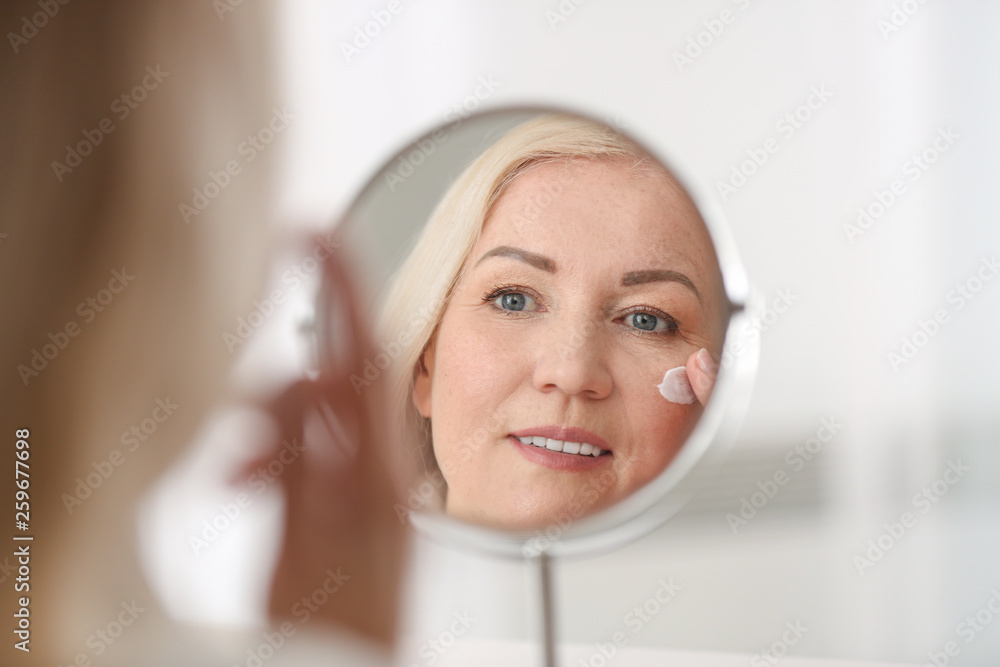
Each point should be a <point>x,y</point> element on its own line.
<point>567,440</point>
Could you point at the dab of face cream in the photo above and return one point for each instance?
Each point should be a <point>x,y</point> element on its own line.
<point>676,387</point>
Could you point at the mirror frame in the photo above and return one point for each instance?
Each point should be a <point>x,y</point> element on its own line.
<point>653,504</point>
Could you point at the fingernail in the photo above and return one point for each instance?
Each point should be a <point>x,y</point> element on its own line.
<point>705,362</point>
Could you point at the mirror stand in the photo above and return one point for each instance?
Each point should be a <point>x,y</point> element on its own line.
<point>543,563</point>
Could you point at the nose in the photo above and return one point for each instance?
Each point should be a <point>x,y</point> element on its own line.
<point>572,359</point>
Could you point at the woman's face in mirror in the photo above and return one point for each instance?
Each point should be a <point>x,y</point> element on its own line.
<point>591,278</point>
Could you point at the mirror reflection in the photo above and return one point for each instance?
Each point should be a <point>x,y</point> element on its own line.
<point>555,328</point>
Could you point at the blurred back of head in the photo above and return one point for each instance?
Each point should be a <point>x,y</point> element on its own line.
<point>133,236</point>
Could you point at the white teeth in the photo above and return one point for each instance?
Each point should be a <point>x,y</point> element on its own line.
<point>582,448</point>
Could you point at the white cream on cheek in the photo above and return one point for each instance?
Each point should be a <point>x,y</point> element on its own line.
<point>676,387</point>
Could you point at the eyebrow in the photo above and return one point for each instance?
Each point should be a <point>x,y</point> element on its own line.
<point>658,275</point>
<point>630,279</point>
<point>537,261</point>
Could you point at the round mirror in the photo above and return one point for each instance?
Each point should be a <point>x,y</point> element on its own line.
<point>558,324</point>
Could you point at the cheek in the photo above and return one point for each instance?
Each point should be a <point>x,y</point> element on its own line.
<point>474,363</point>
<point>476,368</point>
<point>657,426</point>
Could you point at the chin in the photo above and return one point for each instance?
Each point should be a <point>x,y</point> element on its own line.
<point>555,513</point>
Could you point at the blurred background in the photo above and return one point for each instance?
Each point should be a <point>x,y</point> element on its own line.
<point>896,76</point>
<point>852,147</point>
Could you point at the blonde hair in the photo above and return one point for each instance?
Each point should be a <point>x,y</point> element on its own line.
<point>420,289</point>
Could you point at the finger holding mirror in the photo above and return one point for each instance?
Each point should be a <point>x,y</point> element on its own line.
<point>338,485</point>
<point>556,328</point>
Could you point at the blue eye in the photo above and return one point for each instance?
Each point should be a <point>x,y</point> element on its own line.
<point>511,299</point>
<point>652,323</point>
<point>516,301</point>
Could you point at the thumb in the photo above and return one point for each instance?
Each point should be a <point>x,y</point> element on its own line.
<point>702,371</point>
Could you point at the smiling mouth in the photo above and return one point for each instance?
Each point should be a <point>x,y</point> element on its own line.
<point>564,446</point>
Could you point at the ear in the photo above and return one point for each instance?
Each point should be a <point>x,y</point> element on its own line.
<point>422,382</point>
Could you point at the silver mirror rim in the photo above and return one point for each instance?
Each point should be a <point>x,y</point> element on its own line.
<point>649,507</point>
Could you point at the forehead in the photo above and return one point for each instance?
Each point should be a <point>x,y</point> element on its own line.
<point>603,208</point>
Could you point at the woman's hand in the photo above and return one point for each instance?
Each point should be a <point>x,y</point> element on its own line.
<point>343,547</point>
